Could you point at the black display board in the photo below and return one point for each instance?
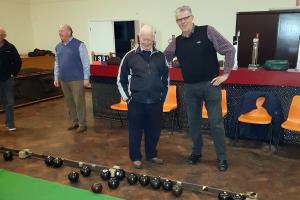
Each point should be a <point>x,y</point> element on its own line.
<point>124,32</point>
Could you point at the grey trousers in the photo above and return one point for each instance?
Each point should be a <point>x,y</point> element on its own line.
<point>74,95</point>
<point>194,95</point>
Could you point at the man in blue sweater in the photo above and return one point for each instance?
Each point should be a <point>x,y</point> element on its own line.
<point>71,72</point>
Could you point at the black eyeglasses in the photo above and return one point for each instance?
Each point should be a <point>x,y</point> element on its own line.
<point>183,19</point>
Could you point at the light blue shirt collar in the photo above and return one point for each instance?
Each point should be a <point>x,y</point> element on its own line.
<point>71,38</point>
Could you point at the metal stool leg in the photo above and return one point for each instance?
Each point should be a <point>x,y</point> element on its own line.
<point>173,118</point>
<point>177,118</point>
<point>225,124</point>
<point>111,118</point>
<point>237,131</point>
<point>270,134</point>
<point>120,119</point>
<point>277,145</point>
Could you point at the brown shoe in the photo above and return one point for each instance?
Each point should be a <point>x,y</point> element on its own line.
<point>73,127</point>
<point>81,129</point>
<point>156,160</point>
<point>137,164</point>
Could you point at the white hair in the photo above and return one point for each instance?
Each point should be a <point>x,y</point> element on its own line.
<point>68,27</point>
<point>2,30</point>
<point>147,28</point>
<point>184,8</point>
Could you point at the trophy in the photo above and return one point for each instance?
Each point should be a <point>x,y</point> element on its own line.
<point>236,39</point>
<point>254,63</point>
<point>298,59</point>
<point>132,43</point>
<point>173,38</point>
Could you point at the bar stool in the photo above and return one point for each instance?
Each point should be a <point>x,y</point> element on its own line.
<point>293,121</point>
<point>256,116</point>
<point>170,105</point>
<point>119,107</point>
<point>224,106</point>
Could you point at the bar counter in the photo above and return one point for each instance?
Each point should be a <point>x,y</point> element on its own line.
<point>284,85</point>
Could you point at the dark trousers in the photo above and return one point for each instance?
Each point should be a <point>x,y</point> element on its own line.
<point>194,95</point>
<point>7,99</point>
<point>144,118</point>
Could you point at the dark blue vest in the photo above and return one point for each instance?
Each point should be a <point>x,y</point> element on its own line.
<point>197,56</point>
<point>69,63</point>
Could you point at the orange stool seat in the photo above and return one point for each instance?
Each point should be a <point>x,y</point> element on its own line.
<point>293,121</point>
<point>121,106</point>
<point>170,105</point>
<point>224,106</point>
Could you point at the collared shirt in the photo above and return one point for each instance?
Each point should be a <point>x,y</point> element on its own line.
<point>146,53</point>
<point>84,57</point>
<point>222,46</point>
<point>142,49</point>
<point>190,33</point>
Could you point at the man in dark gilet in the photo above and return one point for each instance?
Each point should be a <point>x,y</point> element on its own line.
<point>196,50</point>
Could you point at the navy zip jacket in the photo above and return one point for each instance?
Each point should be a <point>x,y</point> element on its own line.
<point>143,76</point>
<point>10,61</point>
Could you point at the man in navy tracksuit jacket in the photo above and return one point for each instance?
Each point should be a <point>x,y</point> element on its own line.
<point>143,83</point>
<point>10,65</point>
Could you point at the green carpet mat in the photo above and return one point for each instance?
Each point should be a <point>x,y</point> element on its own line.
<point>15,186</point>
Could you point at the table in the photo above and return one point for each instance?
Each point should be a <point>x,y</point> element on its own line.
<point>33,85</point>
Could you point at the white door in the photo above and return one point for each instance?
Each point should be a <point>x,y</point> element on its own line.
<point>102,37</point>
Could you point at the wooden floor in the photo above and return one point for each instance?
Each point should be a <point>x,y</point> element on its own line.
<point>42,128</point>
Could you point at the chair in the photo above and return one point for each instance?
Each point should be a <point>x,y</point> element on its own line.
<point>293,121</point>
<point>256,116</point>
<point>170,105</point>
<point>224,106</point>
<point>119,107</point>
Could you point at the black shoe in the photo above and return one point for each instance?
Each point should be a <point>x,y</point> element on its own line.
<point>157,160</point>
<point>194,159</point>
<point>73,127</point>
<point>222,165</point>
